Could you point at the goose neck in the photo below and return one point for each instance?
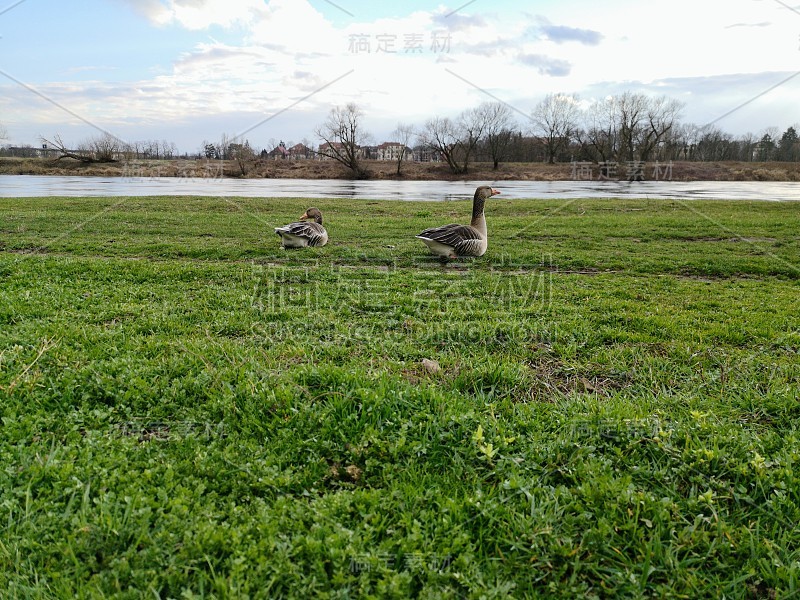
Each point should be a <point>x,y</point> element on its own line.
<point>478,216</point>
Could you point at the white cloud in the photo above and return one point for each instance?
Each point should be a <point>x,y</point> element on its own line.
<point>426,63</point>
<point>198,14</point>
<point>295,27</point>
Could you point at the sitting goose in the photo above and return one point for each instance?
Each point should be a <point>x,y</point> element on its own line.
<point>301,235</point>
<point>454,240</point>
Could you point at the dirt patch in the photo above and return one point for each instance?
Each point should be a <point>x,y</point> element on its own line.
<point>553,376</point>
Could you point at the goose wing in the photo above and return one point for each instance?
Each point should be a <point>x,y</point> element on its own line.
<point>463,238</point>
<point>313,232</point>
<point>451,234</point>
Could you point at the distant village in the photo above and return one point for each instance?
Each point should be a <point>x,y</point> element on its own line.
<point>387,151</point>
<point>529,150</point>
<point>391,151</point>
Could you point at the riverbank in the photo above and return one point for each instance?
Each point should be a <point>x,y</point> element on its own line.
<point>386,170</point>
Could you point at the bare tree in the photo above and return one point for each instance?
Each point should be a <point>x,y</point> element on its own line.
<point>600,129</point>
<point>712,144</point>
<point>153,150</point>
<point>455,140</point>
<point>441,135</point>
<point>630,112</point>
<point>105,148</point>
<point>747,144</point>
<point>343,137</point>
<point>673,145</point>
<point>63,152</point>
<point>3,132</point>
<point>555,120</point>
<point>168,149</point>
<point>243,155</point>
<point>643,122</point>
<point>772,131</point>
<point>662,116</point>
<point>498,129</point>
<point>403,135</point>
<point>223,146</point>
<point>472,124</point>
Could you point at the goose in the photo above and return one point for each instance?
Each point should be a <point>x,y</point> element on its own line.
<point>303,234</point>
<point>454,240</point>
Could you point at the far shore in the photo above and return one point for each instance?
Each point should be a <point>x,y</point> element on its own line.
<point>410,171</point>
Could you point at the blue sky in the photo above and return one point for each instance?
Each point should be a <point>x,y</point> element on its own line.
<point>193,70</point>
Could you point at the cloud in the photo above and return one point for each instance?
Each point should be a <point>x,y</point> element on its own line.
<point>296,28</point>
<point>554,67</point>
<point>762,24</point>
<point>208,56</point>
<point>457,21</point>
<point>152,10</point>
<point>276,56</point>
<point>488,48</point>
<point>561,34</point>
<point>197,14</point>
<point>736,100</point>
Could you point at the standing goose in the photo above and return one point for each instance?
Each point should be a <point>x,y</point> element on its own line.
<point>454,240</point>
<point>301,235</point>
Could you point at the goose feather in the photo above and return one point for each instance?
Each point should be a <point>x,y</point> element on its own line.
<point>454,240</point>
<point>461,240</point>
<point>304,233</point>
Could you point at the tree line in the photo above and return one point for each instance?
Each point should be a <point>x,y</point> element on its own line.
<point>560,128</point>
<point>627,127</point>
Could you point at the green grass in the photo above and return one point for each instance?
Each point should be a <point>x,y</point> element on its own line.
<point>189,411</point>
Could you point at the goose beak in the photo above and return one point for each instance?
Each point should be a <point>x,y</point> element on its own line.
<point>495,192</point>
<point>304,216</point>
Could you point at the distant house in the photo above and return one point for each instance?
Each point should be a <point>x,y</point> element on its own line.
<point>28,151</point>
<point>281,152</point>
<point>300,152</point>
<point>368,152</point>
<point>393,151</point>
<point>327,151</point>
<point>278,153</point>
<point>422,154</point>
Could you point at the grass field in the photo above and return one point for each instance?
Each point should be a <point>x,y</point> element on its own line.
<point>605,404</point>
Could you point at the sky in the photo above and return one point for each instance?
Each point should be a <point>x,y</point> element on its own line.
<point>189,71</point>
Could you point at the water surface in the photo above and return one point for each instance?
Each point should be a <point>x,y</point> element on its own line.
<point>36,186</point>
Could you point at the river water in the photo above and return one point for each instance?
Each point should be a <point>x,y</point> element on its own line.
<point>37,186</point>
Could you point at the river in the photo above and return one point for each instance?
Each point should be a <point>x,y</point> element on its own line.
<point>37,186</point>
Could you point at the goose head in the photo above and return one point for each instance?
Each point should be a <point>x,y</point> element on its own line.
<point>313,214</point>
<point>481,194</point>
<point>485,191</point>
